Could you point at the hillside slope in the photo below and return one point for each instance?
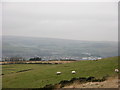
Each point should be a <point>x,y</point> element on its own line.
<point>40,75</point>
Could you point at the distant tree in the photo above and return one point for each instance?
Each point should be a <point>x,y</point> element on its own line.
<point>16,59</point>
<point>35,59</point>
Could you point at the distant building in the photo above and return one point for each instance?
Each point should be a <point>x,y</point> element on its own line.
<point>84,58</point>
<point>91,58</point>
<point>99,58</point>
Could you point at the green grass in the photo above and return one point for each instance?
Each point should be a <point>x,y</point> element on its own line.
<point>41,75</point>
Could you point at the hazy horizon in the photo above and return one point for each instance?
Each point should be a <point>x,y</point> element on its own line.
<point>51,38</point>
<point>88,21</point>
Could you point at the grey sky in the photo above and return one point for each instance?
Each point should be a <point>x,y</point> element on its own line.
<point>96,21</point>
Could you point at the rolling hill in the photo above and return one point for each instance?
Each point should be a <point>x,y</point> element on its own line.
<point>56,48</point>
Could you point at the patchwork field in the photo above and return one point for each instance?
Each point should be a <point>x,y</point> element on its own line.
<point>38,62</point>
<point>39,75</point>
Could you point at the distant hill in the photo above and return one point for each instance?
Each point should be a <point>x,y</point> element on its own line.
<point>50,47</point>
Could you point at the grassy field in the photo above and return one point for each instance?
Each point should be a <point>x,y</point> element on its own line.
<point>41,75</point>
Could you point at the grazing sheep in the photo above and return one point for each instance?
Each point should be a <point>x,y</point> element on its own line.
<point>58,73</point>
<point>116,70</point>
<point>73,72</point>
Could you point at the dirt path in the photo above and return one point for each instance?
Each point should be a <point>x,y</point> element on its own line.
<point>111,82</point>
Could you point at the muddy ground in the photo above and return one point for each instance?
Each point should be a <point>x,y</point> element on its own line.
<point>111,82</point>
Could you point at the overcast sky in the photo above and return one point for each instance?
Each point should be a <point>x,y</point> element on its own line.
<point>93,21</point>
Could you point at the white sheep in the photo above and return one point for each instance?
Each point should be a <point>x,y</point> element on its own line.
<point>116,70</point>
<point>58,73</point>
<point>73,72</point>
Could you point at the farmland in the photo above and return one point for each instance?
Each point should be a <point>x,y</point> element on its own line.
<point>37,62</point>
<point>39,75</point>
